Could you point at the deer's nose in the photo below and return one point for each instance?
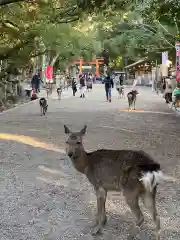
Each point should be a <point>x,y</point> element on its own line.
<point>70,154</point>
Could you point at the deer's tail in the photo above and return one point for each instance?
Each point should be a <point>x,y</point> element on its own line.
<point>151,179</point>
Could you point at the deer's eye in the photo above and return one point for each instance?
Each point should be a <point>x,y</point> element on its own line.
<point>79,142</point>
<point>66,142</point>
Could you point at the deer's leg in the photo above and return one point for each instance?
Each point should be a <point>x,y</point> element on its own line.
<point>101,214</point>
<point>120,94</point>
<point>134,103</point>
<point>149,200</point>
<point>129,104</point>
<point>132,200</point>
<point>41,110</point>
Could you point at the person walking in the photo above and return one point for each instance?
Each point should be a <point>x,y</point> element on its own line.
<point>74,88</point>
<point>68,82</point>
<point>82,85</point>
<point>89,82</point>
<point>35,82</point>
<point>108,83</point>
<point>117,82</point>
<point>121,80</point>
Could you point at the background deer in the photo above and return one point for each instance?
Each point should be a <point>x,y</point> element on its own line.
<point>59,92</point>
<point>133,172</point>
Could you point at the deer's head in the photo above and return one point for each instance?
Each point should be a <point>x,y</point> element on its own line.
<point>74,145</point>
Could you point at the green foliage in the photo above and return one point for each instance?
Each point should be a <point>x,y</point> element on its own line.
<point>31,29</point>
<point>69,29</point>
<point>117,63</point>
<point>144,29</point>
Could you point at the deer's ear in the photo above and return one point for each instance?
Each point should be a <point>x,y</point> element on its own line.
<point>83,131</point>
<point>66,130</point>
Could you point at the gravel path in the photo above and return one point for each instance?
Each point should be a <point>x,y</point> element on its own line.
<point>42,196</point>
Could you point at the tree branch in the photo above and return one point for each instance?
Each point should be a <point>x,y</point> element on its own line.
<point>11,23</point>
<point>69,12</point>
<point>6,2</point>
<point>38,54</point>
<point>15,49</point>
<point>68,20</point>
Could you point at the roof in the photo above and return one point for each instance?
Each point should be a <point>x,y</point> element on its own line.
<point>136,63</point>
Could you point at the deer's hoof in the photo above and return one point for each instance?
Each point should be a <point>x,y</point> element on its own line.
<point>96,230</point>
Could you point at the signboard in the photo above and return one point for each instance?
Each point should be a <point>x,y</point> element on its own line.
<point>178,62</point>
<point>164,64</point>
<point>86,67</point>
<point>49,74</point>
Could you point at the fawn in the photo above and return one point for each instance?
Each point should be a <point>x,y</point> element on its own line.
<point>133,172</point>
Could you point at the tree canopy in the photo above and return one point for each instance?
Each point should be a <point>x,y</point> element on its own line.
<point>145,28</point>
<point>69,29</point>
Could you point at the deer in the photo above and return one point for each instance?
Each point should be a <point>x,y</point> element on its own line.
<point>43,106</point>
<point>59,92</point>
<point>134,172</point>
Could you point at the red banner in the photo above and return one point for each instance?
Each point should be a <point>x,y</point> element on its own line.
<point>49,73</point>
<point>178,62</point>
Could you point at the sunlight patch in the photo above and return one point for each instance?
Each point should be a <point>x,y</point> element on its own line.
<point>30,141</point>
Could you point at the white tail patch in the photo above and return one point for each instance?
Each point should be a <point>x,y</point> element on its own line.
<point>151,179</point>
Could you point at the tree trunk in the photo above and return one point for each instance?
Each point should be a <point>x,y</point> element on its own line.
<point>54,59</point>
<point>5,89</point>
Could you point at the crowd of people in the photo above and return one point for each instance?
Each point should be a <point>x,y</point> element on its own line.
<point>85,82</point>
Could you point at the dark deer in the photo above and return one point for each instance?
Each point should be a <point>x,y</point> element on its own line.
<point>133,172</point>
<point>43,106</point>
<point>132,96</point>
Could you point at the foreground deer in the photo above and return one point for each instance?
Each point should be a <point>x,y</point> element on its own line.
<point>133,172</point>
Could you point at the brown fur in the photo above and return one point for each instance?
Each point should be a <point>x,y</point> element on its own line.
<point>132,95</point>
<point>114,170</point>
<point>121,92</point>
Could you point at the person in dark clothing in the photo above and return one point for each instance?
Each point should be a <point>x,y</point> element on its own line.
<point>35,82</point>
<point>108,83</point>
<point>112,82</point>
<point>89,82</point>
<point>74,88</point>
<point>121,80</point>
<point>82,85</point>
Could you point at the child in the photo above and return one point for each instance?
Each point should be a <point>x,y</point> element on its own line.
<point>34,94</point>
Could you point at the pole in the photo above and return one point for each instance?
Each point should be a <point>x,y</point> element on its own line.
<point>43,63</point>
<point>43,68</point>
<point>80,65</point>
<point>154,80</point>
